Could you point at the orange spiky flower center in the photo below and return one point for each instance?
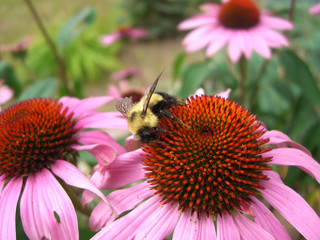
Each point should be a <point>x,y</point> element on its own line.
<point>34,133</point>
<point>239,14</point>
<point>215,165</point>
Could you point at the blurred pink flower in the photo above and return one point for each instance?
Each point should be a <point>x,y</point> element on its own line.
<point>18,48</point>
<point>203,181</point>
<point>6,93</point>
<point>315,9</point>
<point>125,32</point>
<point>125,74</point>
<point>238,24</point>
<point>38,140</point>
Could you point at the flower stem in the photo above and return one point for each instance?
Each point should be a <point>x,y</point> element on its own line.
<point>243,79</point>
<point>59,59</point>
<point>256,82</point>
<point>292,8</point>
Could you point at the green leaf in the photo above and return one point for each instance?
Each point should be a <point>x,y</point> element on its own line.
<point>176,69</point>
<point>297,71</point>
<point>74,27</point>
<point>43,88</point>
<point>8,74</point>
<point>193,77</point>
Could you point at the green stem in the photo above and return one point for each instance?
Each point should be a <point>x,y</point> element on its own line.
<point>243,79</point>
<point>292,9</point>
<point>256,83</point>
<point>59,59</point>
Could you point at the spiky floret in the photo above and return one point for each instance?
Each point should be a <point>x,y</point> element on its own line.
<point>214,166</point>
<point>33,133</point>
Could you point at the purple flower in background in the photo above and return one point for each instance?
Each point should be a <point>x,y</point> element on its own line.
<point>38,140</point>
<point>203,181</point>
<point>125,32</point>
<point>238,24</point>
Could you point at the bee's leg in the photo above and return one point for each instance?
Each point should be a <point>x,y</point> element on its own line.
<point>173,118</point>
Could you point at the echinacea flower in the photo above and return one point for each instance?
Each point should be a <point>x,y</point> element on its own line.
<point>240,25</point>
<point>124,32</point>
<point>18,49</point>
<point>6,93</point>
<point>314,10</point>
<point>205,179</point>
<point>38,140</point>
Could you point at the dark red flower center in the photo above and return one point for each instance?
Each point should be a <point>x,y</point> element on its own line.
<point>239,14</point>
<point>214,166</point>
<point>33,133</point>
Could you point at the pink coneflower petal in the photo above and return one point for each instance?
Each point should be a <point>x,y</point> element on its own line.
<point>193,44</point>
<point>196,21</point>
<point>218,43</point>
<point>120,230</point>
<point>136,33</point>
<point>121,200</point>
<point>224,94</point>
<point>2,181</point>
<point>91,137</point>
<point>235,47</point>
<point>292,206</point>
<point>196,34</point>
<point>295,157</point>
<point>191,227</point>
<point>8,205</point>
<point>46,210</point>
<point>118,174</point>
<point>160,225</point>
<point>315,9</point>
<point>211,8</point>
<point>72,176</point>
<point>273,38</point>
<point>226,228</point>
<point>259,45</point>
<point>264,217</point>
<point>103,153</point>
<point>6,93</point>
<point>81,107</point>
<point>277,23</point>
<point>108,39</point>
<point>250,230</point>
<point>115,120</point>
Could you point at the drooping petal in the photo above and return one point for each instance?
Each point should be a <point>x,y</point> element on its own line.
<point>196,21</point>
<point>103,153</point>
<point>251,230</point>
<point>72,176</point>
<point>196,45</point>
<point>217,43</point>
<point>46,210</point>
<point>8,205</point>
<point>207,229</point>
<point>294,157</point>
<point>187,227</point>
<point>160,225</point>
<point>235,47</point>
<point>106,120</point>
<point>97,137</point>
<point>275,22</point>
<point>264,217</point>
<point>259,45</point>
<point>291,206</point>
<point>126,227</point>
<point>273,38</point>
<point>227,228</point>
<point>121,200</point>
<point>125,169</point>
<point>2,181</point>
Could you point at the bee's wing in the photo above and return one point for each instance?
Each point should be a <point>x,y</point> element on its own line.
<point>124,105</point>
<point>149,93</point>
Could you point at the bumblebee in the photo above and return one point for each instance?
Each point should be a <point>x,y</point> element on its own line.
<point>143,117</point>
